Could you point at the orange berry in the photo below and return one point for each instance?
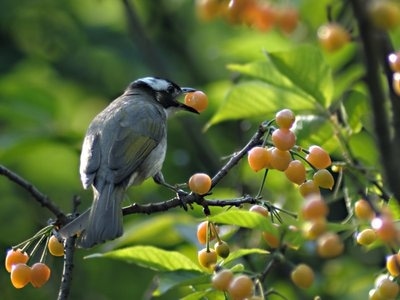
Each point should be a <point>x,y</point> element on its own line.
<point>366,237</point>
<point>221,280</point>
<point>387,288</point>
<point>40,274</point>
<point>329,245</point>
<point>262,210</point>
<point>385,14</point>
<point>363,210</point>
<point>333,36</point>
<point>285,118</point>
<point>15,257</point>
<point>271,239</point>
<point>280,159</point>
<point>261,16</point>
<point>237,8</point>
<point>302,276</point>
<point>200,183</point>
<point>207,259</point>
<point>318,157</point>
<point>393,264</point>
<point>394,61</point>
<point>55,247</point>
<point>314,228</point>
<point>202,231</point>
<point>309,188</point>
<point>396,83</point>
<point>20,275</point>
<point>324,179</point>
<point>314,207</point>
<point>241,287</point>
<point>296,172</point>
<point>258,158</point>
<point>208,9</point>
<point>198,100</point>
<point>283,139</point>
<point>288,19</point>
<point>385,229</point>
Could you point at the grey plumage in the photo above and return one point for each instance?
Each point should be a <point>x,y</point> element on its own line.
<point>124,145</point>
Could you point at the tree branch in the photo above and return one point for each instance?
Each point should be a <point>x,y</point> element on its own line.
<point>43,199</point>
<point>371,39</point>
<point>66,278</point>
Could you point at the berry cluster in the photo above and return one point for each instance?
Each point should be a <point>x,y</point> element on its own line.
<point>379,227</point>
<point>39,273</point>
<point>261,15</point>
<point>207,232</point>
<point>282,153</point>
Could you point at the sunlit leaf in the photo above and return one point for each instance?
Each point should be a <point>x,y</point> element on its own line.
<point>363,147</point>
<point>245,219</point>
<point>298,79</point>
<point>170,280</point>
<point>242,252</point>
<point>151,257</point>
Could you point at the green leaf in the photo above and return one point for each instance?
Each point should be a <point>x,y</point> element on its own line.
<point>363,147</point>
<point>170,280</point>
<point>207,294</point>
<point>243,252</point>
<point>151,257</point>
<point>356,108</point>
<point>298,79</point>
<point>246,219</point>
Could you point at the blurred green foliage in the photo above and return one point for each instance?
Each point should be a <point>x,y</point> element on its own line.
<point>61,62</point>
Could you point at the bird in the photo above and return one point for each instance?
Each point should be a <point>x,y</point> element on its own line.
<point>124,144</point>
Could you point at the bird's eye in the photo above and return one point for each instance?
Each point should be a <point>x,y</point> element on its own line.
<point>170,89</point>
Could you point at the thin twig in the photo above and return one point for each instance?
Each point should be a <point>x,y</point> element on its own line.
<point>43,199</point>
<point>66,279</point>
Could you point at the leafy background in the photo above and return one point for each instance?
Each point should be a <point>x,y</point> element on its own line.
<point>61,62</point>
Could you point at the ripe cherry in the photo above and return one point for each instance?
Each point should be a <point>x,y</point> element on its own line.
<point>283,139</point>
<point>202,231</point>
<point>200,183</point>
<point>14,257</point>
<point>285,118</point>
<point>296,172</point>
<point>40,274</point>
<point>55,247</point>
<point>258,158</point>
<point>333,36</point>
<point>198,100</point>
<point>221,280</point>
<point>207,258</point>
<point>241,287</point>
<point>318,157</point>
<point>302,276</point>
<point>20,275</point>
<point>324,179</point>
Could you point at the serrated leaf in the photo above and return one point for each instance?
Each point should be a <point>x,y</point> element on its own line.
<point>243,252</point>
<point>246,219</point>
<point>298,79</point>
<point>306,67</point>
<point>257,98</point>
<point>152,258</point>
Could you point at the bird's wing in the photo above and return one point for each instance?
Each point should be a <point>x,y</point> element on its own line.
<point>140,129</point>
<point>90,159</point>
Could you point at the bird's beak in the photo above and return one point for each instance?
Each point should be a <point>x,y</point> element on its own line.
<point>186,90</point>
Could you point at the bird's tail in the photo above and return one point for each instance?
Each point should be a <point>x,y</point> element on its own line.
<point>102,222</point>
